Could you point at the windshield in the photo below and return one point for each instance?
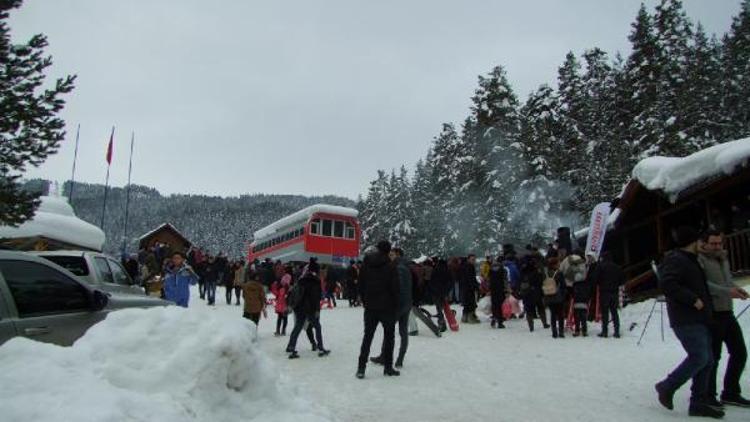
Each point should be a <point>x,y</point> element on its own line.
<point>74,264</point>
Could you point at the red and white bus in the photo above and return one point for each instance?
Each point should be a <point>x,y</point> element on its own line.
<point>330,233</point>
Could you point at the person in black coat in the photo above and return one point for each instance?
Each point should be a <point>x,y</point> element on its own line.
<point>379,289</point>
<point>469,287</point>
<point>555,302</point>
<point>308,310</point>
<point>608,277</point>
<point>689,306</point>
<point>498,285</point>
<point>439,288</point>
<point>532,277</point>
<point>211,274</point>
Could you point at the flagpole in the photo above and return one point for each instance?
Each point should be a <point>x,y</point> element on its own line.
<point>73,175</point>
<point>127,195</point>
<point>106,183</point>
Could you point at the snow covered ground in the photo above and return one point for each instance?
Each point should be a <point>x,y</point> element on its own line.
<point>200,364</point>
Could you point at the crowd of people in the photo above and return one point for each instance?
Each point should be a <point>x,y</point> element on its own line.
<point>562,289</point>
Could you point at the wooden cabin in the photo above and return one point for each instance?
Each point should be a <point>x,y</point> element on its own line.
<point>165,234</point>
<point>693,191</point>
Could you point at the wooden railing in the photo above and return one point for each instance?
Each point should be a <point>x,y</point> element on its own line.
<point>738,249</point>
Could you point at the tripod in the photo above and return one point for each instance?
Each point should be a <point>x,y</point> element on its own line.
<point>658,300</point>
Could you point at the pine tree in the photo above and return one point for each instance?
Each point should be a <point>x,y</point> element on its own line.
<point>371,214</point>
<point>30,130</point>
<point>736,81</point>
<point>701,99</point>
<point>640,88</point>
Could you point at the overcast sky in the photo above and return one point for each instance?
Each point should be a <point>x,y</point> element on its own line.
<point>304,97</point>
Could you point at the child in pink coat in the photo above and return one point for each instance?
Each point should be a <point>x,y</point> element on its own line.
<point>280,289</point>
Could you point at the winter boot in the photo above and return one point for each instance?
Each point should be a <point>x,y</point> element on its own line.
<point>390,372</point>
<point>400,363</point>
<point>314,347</point>
<point>706,411</point>
<point>465,318</point>
<point>323,353</point>
<point>735,400</point>
<point>378,360</point>
<point>665,395</point>
<point>361,370</point>
<point>294,355</point>
<point>603,335</point>
<point>441,325</point>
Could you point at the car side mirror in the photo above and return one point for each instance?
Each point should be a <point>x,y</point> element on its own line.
<point>100,300</point>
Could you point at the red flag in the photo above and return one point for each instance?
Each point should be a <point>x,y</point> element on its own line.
<point>111,145</point>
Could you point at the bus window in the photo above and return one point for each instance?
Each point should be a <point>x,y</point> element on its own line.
<point>315,226</point>
<point>327,228</point>
<point>338,229</point>
<point>350,233</point>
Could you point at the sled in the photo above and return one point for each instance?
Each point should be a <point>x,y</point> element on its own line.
<point>424,316</point>
<point>450,317</point>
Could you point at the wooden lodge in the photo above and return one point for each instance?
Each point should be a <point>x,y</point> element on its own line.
<point>165,234</point>
<point>718,199</point>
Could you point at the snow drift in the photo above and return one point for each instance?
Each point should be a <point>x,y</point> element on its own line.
<point>673,175</point>
<point>165,364</point>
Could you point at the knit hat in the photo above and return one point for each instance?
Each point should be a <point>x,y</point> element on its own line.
<point>684,236</point>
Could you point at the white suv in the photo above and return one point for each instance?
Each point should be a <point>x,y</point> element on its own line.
<point>97,269</point>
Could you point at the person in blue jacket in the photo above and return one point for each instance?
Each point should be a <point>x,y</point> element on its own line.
<point>179,277</point>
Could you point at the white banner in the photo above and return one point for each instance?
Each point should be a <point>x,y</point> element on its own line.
<point>597,229</point>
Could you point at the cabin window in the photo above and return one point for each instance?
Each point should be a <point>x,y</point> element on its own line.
<point>338,229</point>
<point>327,228</point>
<point>350,233</point>
<point>315,226</point>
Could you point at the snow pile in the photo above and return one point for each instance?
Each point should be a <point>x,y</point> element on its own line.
<point>673,175</point>
<point>56,220</point>
<point>165,364</point>
<point>302,216</point>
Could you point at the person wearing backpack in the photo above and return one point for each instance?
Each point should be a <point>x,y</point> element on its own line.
<point>553,289</point>
<point>304,298</point>
<point>498,277</point>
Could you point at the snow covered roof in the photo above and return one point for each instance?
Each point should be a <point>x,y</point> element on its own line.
<point>304,215</point>
<point>56,220</point>
<point>674,175</point>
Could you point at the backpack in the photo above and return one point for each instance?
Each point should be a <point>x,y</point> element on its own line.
<point>294,295</point>
<point>549,285</point>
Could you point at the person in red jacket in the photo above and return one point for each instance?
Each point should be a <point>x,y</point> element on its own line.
<point>280,289</point>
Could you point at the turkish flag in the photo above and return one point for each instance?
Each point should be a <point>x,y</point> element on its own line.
<point>111,145</point>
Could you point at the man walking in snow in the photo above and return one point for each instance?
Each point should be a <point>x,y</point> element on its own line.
<point>725,329</point>
<point>404,308</point>
<point>468,275</point>
<point>608,277</point>
<point>379,288</point>
<point>689,306</point>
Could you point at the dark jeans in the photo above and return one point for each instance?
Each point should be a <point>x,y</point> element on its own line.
<point>608,303</point>
<point>281,321</point>
<point>726,330</point>
<point>696,340</point>
<point>202,289</point>
<point>372,319</point>
<point>557,319</point>
<point>581,322</point>
<point>299,324</point>
<point>439,301</point>
<point>211,292</point>
<point>403,333</point>
<point>228,294</point>
<point>496,298</point>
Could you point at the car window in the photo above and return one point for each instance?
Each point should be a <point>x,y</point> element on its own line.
<point>105,274</point>
<point>38,289</point>
<point>75,264</point>
<point>119,274</point>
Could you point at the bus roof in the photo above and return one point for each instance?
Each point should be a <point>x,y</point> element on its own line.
<point>304,215</point>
